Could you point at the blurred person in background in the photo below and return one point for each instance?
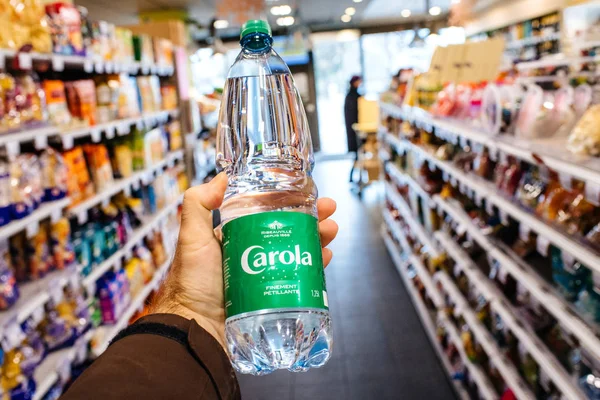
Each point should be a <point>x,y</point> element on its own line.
<point>351,116</point>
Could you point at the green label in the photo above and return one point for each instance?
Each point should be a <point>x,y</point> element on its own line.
<point>272,260</point>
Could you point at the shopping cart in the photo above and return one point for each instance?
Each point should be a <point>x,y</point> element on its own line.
<point>366,163</point>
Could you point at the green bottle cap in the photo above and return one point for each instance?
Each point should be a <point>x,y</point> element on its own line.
<point>255,26</point>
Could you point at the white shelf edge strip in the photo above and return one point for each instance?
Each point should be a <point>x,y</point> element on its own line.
<point>121,184</point>
<point>44,211</point>
<point>423,313</point>
<point>538,350</point>
<point>484,338</point>
<point>489,192</point>
<point>136,238</point>
<point>410,219</point>
<point>486,389</point>
<point>554,304</point>
<point>46,373</point>
<point>521,149</point>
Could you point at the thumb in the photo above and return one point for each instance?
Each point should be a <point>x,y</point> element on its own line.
<point>196,217</point>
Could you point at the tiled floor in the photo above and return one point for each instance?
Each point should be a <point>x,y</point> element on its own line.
<point>380,349</point>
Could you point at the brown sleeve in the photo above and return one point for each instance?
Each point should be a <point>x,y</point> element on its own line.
<point>149,366</point>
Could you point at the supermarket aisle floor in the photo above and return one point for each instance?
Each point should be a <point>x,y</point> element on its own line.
<point>380,350</point>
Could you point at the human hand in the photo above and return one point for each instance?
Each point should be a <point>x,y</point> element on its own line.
<point>193,288</point>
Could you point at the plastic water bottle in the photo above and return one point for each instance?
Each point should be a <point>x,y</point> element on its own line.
<point>275,298</point>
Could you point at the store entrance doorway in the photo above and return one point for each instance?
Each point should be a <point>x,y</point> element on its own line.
<point>336,59</point>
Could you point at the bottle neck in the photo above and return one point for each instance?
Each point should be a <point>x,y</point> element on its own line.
<point>257,42</point>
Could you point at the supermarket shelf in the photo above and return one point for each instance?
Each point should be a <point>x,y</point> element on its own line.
<point>120,127</point>
<point>119,185</point>
<point>138,235</point>
<point>539,289</point>
<point>88,64</point>
<point>402,178</point>
<point>520,43</point>
<point>555,62</point>
<point>417,228</point>
<point>34,295</point>
<point>51,209</point>
<point>394,227</point>
<point>527,337</point>
<point>40,135</point>
<point>488,191</point>
<point>56,364</point>
<point>484,338</point>
<point>423,312</point>
<point>550,151</point>
<point>486,390</point>
<point>49,372</point>
<point>106,333</point>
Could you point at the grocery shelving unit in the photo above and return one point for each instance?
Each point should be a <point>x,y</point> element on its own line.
<point>482,192</point>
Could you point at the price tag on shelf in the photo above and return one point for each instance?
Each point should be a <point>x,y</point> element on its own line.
<point>41,142</point>
<point>432,165</point>
<point>96,135</point>
<point>489,207</point>
<point>13,149</point>
<point>463,142</point>
<point>568,259</point>
<point>123,128</point>
<point>145,69</point>
<point>25,61</point>
<point>38,315</point>
<point>478,199</point>
<point>153,69</point>
<point>56,215</point>
<point>64,370</point>
<point>99,67</point>
<point>135,185</point>
<point>110,131</point>
<point>127,191</point>
<point>445,176</point>
<point>118,263</point>
<point>453,181</point>
<point>105,202</point>
<point>58,63</point>
<point>592,192</point>
<point>493,151</point>
<point>462,187</point>
<point>108,67</point>
<point>524,232</point>
<point>503,158</point>
<point>55,291</point>
<point>81,350</point>
<point>88,66</point>
<point>461,229</point>
<point>139,124</point>
<point>67,141</point>
<point>82,217</point>
<point>504,217</point>
<point>32,229</point>
<point>542,245</point>
<point>566,181</point>
<point>128,253</point>
<point>170,161</point>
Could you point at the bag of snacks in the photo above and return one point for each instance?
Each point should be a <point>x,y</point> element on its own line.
<point>100,165</point>
<point>79,184</point>
<point>585,137</point>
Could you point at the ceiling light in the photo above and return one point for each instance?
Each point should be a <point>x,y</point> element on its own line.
<point>350,11</point>
<point>455,1</point>
<point>281,10</point>
<point>221,24</point>
<point>358,1</point>
<point>405,13</point>
<point>285,21</point>
<point>435,11</point>
<point>346,18</point>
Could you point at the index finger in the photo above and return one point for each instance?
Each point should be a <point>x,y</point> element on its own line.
<point>325,207</point>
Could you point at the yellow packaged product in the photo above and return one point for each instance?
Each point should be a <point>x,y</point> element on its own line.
<point>133,269</point>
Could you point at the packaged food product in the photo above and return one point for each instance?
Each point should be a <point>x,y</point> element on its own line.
<point>65,24</point>
<point>79,184</point>
<point>163,52</point>
<point>146,262</point>
<point>145,94</point>
<point>99,165</point>
<point>556,200</point>
<point>9,292</point>
<point>22,23</point>
<point>81,97</point>
<point>169,97</point>
<point>38,253</point>
<point>125,52</point>
<point>129,103</point>
<point>57,332</point>
<point>531,189</point>
<point>122,159</point>
<point>57,103</point>
<point>156,94</point>
<point>114,295</point>
<point>143,49</point>
<point>83,252</point>
<point>135,275</point>
<point>54,171</point>
<point>155,147</point>
<point>5,193</point>
<point>22,187</point>
<point>580,217</point>
<point>30,100</point>
<point>106,107</point>
<point>62,249</point>
<point>32,347</point>
<point>585,137</point>
<point>18,255</point>
<point>174,136</point>
<point>9,114</point>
